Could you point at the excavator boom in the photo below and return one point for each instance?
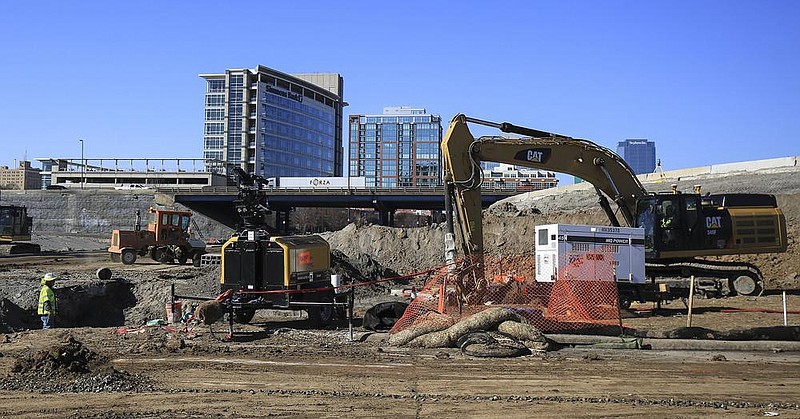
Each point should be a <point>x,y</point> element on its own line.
<point>582,158</point>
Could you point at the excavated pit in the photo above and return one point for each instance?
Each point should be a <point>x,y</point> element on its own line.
<point>95,304</point>
<point>98,304</point>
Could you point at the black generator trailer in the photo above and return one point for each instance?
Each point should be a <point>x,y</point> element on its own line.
<point>281,273</point>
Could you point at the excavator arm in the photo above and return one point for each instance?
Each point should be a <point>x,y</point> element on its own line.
<point>462,155</point>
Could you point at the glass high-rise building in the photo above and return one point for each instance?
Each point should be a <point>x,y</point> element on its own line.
<point>401,147</point>
<point>274,124</point>
<point>640,154</point>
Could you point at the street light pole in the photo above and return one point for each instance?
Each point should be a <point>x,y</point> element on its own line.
<point>83,164</point>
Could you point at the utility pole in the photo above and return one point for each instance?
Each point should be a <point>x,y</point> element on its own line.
<point>83,164</point>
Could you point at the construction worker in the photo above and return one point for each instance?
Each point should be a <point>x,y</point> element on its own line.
<point>668,224</point>
<point>47,301</point>
<point>668,217</point>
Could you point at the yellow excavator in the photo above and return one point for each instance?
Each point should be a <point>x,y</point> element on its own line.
<point>15,230</point>
<point>679,227</point>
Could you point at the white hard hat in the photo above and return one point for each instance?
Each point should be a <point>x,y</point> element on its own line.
<point>49,277</point>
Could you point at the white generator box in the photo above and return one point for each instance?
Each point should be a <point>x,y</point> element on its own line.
<point>557,245</point>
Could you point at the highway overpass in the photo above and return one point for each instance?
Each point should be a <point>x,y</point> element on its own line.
<point>218,204</point>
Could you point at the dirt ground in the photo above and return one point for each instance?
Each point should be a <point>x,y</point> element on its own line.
<point>279,367</point>
<point>101,361</point>
<point>280,376</point>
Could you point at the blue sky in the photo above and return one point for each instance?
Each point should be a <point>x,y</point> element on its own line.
<point>709,81</point>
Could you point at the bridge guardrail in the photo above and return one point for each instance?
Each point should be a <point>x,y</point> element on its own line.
<point>232,190</point>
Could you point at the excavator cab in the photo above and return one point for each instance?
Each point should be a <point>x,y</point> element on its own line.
<point>15,225</point>
<point>670,222</point>
<point>15,230</point>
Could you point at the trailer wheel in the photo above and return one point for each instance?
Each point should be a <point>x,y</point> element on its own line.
<point>625,302</point>
<point>321,315</point>
<point>128,256</point>
<point>243,315</point>
<point>746,285</point>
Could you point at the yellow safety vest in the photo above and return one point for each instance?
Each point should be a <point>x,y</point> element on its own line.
<point>47,294</point>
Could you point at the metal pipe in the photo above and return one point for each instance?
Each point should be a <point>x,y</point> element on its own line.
<point>448,207</point>
<point>785,319</point>
<point>691,302</point>
<point>449,237</point>
<point>83,165</point>
<point>513,129</point>
<point>601,199</point>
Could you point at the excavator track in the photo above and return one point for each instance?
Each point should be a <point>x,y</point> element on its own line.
<point>735,277</point>
<point>19,248</point>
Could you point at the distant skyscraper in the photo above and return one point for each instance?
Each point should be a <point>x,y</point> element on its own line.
<point>640,154</point>
<point>275,124</point>
<point>401,147</point>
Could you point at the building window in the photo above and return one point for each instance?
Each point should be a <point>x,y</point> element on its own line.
<point>215,100</point>
<point>216,86</point>
<point>215,128</point>
<point>215,114</point>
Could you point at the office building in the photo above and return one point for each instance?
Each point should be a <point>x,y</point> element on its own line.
<point>274,124</point>
<point>22,177</point>
<point>399,148</point>
<point>640,154</point>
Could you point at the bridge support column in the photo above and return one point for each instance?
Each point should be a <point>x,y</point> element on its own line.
<point>282,221</point>
<point>386,216</point>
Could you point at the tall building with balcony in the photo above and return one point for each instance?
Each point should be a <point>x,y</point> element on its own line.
<point>640,154</point>
<point>274,124</point>
<point>401,147</point>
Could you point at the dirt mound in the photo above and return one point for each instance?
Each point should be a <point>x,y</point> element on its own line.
<point>70,356</point>
<point>70,366</point>
<point>362,268</point>
<point>403,250</point>
<point>15,318</point>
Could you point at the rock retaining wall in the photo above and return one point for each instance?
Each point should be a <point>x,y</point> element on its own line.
<point>92,211</point>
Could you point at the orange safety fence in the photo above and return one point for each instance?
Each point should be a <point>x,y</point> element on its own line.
<point>582,296</point>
